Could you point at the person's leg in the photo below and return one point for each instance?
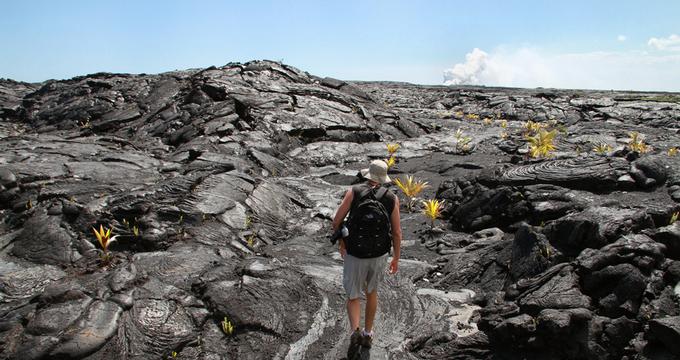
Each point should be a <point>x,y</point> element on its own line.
<point>371,308</point>
<point>375,276</point>
<point>354,312</point>
<point>352,272</point>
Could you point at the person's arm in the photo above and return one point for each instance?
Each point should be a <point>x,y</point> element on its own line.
<point>396,236</point>
<point>340,215</point>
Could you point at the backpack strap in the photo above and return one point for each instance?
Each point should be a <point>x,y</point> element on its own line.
<point>380,193</point>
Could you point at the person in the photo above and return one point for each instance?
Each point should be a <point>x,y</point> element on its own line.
<point>361,272</point>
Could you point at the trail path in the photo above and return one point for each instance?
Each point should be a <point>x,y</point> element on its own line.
<point>404,311</point>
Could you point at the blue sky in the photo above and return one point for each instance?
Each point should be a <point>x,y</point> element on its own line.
<point>585,44</point>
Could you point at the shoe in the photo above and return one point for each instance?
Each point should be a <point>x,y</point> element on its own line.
<point>354,345</point>
<point>366,340</point>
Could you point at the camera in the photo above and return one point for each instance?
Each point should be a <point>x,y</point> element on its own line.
<point>342,232</point>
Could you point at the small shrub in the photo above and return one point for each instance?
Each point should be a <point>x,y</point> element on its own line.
<point>391,162</point>
<point>463,144</point>
<point>504,124</point>
<point>105,239</point>
<point>227,326</point>
<point>602,148</point>
<point>462,141</point>
<point>411,188</point>
<point>85,124</point>
<point>433,210</point>
<point>392,148</point>
<point>134,229</point>
<point>674,218</point>
<point>672,151</point>
<point>250,240</point>
<point>542,144</point>
<point>532,127</point>
<point>637,143</point>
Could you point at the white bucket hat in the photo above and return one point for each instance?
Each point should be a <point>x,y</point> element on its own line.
<point>377,171</point>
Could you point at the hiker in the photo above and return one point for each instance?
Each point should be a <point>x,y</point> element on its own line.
<point>374,227</point>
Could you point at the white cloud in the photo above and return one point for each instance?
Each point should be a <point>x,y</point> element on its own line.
<point>671,43</point>
<point>621,38</point>
<point>466,73</point>
<point>531,67</point>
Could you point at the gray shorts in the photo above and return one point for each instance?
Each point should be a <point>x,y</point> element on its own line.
<point>362,274</point>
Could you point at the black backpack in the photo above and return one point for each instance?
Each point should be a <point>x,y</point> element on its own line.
<point>368,224</point>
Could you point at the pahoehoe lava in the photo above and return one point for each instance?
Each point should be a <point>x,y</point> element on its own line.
<point>219,185</point>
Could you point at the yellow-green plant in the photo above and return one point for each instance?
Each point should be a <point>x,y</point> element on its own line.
<point>542,144</point>
<point>459,114</point>
<point>411,188</point>
<point>392,148</point>
<point>602,148</point>
<point>250,240</point>
<point>85,124</point>
<point>472,116</point>
<point>504,124</point>
<point>674,217</point>
<point>391,162</point>
<point>433,210</point>
<point>227,326</point>
<point>463,144</point>
<point>134,229</point>
<point>174,354</point>
<point>462,141</point>
<point>532,127</point>
<point>636,143</point>
<point>672,151</point>
<point>105,239</point>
